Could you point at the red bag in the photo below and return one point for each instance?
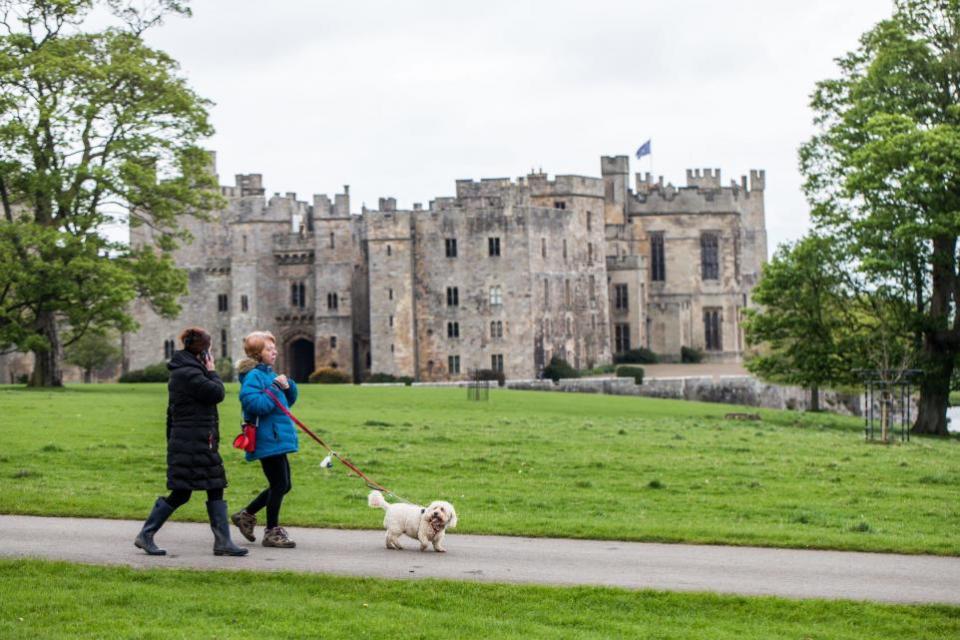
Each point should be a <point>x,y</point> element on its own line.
<point>247,440</point>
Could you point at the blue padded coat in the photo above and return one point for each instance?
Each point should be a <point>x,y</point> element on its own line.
<point>276,433</point>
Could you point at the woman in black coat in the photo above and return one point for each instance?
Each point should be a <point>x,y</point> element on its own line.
<point>193,440</point>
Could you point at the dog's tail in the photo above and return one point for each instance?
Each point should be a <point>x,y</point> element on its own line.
<point>376,500</point>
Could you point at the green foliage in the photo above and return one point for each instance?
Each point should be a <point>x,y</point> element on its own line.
<point>597,371</point>
<point>157,372</point>
<point>381,378</point>
<point>559,368</point>
<point>883,177</point>
<point>631,372</point>
<point>690,355</point>
<point>489,374</point>
<point>329,375</point>
<point>93,350</point>
<point>636,356</point>
<point>802,318</point>
<point>91,124</point>
<point>225,369</point>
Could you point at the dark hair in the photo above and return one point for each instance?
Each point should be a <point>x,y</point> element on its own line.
<point>195,340</point>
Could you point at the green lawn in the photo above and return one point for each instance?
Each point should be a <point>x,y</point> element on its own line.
<point>540,464</point>
<point>58,600</point>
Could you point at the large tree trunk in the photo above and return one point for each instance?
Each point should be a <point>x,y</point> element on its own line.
<point>47,370</point>
<point>934,391</point>
<point>815,398</point>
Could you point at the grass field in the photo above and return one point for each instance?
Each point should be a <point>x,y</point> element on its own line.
<point>540,464</point>
<point>59,600</point>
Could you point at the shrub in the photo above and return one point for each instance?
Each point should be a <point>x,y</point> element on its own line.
<point>225,369</point>
<point>559,368</point>
<point>153,373</point>
<point>329,375</point>
<point>636,356</point>
<point>598,370</point>
<point>388,377</point>
<point>631,372</point>
<point>690,355</point>
<point>23,378</point>
<point>490,374</point>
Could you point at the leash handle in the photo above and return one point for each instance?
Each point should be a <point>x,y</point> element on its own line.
<point>370,482</point>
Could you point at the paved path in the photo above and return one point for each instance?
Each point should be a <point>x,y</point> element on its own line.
<point>633,565</point>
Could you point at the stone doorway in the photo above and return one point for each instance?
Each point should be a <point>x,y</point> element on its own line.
<point>302,359</point>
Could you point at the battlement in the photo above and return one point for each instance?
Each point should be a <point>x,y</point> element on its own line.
<point>249,184</point>
<point>758,180</point>
<point>708,179</point>
<point>614,165</point>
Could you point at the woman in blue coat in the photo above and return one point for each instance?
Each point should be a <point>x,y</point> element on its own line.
<point>276,435</point>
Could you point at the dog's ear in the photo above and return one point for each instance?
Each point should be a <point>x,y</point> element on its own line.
<point>453,517</point>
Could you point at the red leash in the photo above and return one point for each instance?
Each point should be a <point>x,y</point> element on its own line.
<point>370,482</point>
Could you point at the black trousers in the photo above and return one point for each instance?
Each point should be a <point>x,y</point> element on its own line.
<point>277,471</point>
<point>180,497</point>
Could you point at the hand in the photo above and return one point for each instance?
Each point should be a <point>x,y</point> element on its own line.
<point>208,362</point>
<point>282,381</point>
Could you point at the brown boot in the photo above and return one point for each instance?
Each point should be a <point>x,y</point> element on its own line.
<point>245,523</point>
<point>277,537</point>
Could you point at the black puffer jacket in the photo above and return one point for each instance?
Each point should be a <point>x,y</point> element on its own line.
<point>193,432</point>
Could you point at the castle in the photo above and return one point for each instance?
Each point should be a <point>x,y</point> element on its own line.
<point>502,276</point>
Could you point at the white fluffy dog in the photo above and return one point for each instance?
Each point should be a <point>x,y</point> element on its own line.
<point>427,525</point>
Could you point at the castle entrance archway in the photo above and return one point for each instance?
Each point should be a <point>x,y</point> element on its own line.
<point>301,357</point>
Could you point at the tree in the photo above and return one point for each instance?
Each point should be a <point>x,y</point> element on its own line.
<point>93,350</point>
<point>883,176</point>
<point>802,321</point>
<point>92,126</point>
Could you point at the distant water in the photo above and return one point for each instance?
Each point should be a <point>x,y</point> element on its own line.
<point>953,419</point>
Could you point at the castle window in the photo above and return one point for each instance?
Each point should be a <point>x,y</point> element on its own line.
<point>496,328</point>
<point>589,220</point>
<point>453,329</point>
<point>593,287</point>
<point>332,301</point>
<point>453,364</point>
<point>493,247</point>
<point>621,338</point>
<point>543,248</point>
<point>450,244</point>
<point>564,248</point>
<point>589,253</point>
<point>298,295</point>
<point>593,321</point>
<point>244,303</point>
<point>496,362</point>
<point>333,342</point>
<point>222,303</point>
<point>169,348</point>
<point>244,244</point>
<point>620,300</point>
<point>709,258</point>
<point>658,271</point>
<point>389,250</point>
<point>712,329</point>
<point>331,240</point>
<point>223,343</point>
<point>546,292</point>
<point>392,350</point>
<point>453,297</point>
<point>566,292</point>
<point>391,321</point>
<point>390,294</point>
<point>496,297</point>
<point>559,204</point>
<point>569,327</point>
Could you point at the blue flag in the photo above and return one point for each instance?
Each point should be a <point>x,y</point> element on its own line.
<point>644,150</point>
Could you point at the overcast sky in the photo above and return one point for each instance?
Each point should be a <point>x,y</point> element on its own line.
<point>402,98</point>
